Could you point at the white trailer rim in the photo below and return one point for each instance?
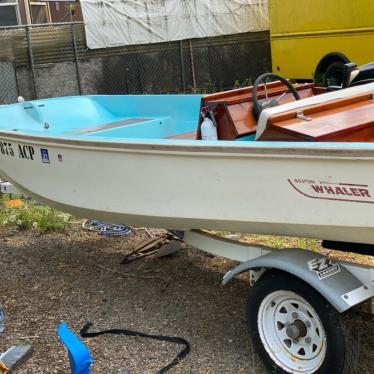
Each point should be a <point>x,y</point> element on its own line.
<point>291,332</point>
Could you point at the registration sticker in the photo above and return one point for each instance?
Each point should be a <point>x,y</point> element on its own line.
<point>45,155</point>
<point>324,267</point>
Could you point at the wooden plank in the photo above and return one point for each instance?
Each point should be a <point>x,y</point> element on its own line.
<point>185,135</point>
<point>108,126</point>
<point>365,134</point>
<point>346,119</point>
<point>234,114</point>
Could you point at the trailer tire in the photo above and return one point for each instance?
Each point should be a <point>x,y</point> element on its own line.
<point>295,330</point>
<point>334,75</point>
<point>326,62</point>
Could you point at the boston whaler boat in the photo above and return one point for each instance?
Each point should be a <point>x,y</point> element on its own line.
<point>292,160</point>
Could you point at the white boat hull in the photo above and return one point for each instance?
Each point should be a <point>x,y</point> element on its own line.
<point>245,189</point>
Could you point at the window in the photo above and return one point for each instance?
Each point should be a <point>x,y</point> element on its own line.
<point>9,13</point>
<point>39,12</point>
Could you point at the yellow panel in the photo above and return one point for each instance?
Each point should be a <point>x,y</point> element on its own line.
<point>313,15</point>
<point>298,57</point>
<point>302,31</point>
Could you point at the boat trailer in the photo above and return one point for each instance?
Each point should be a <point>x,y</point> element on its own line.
<point>300,303</point>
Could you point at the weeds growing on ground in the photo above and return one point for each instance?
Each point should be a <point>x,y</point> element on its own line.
<point>277,242</point>
<point>31,215</point>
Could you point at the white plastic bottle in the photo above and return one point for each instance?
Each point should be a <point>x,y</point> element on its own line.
<point>208,130</point>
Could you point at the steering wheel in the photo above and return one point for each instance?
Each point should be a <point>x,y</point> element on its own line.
<point>258,106</point>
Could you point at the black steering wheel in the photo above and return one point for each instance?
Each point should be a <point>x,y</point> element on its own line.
<point>258,106</point>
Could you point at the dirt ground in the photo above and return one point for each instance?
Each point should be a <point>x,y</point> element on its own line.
<point>76,276</point>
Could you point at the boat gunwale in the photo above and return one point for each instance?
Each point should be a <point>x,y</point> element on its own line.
<point>222,147</point>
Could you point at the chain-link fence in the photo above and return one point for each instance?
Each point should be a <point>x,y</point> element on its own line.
<point>8,82</point>
<point>53,60</point>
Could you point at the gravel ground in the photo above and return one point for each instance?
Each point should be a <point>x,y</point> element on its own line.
<point>77,276</point>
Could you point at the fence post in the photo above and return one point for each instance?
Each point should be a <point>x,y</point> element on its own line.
<point>75,51</point>
<point>183,77</point>
<point>192,66</point>
<point>31,59</point>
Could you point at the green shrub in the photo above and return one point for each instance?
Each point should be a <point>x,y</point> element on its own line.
<point>31,215</point>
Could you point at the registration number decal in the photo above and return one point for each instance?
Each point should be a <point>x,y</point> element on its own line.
<point>26,152</point>
<point>6,149</point>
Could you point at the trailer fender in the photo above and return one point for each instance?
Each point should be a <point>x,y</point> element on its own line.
<point>329,277</point>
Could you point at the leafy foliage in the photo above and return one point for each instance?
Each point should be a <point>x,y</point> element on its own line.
<point>31,215</point>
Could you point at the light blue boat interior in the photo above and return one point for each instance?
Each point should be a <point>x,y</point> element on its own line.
<point>134,116</point>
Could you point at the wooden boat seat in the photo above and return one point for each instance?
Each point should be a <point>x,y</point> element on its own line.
<point>345,120</point>
<point>233,109</point>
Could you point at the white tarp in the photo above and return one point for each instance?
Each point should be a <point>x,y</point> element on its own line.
<point>112,23</point>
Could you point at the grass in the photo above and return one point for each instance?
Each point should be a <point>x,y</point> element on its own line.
<point>277,242</point>
<point>282,241</point>
<point>30,215</point>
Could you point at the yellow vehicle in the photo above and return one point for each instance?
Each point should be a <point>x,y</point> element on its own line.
<point>309,36</point>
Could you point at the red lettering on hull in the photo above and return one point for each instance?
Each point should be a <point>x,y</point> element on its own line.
<point>364,192</point>
<point>358,193</point>
<point>318,189</point>
<point>341,191</point>
<point>329,190</point>
<point>347,192</point>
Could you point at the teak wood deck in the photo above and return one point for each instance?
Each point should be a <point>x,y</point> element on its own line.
<point>345,120</point>
<point>233,109</point>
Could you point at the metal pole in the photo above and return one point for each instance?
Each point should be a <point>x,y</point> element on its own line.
<point>183,77</point>
<point>192,66</point>
<point>75,52</point>
<point>38,25</point>
<point>31,58</point>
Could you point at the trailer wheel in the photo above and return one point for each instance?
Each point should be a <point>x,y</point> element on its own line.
<point>320,74</point>
<point>335,75</point>
<point>295,330</point>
